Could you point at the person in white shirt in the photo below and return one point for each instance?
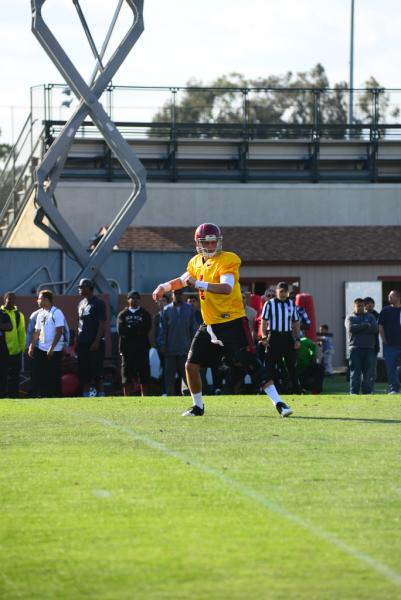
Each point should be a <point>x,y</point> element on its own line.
<point>46,347</point>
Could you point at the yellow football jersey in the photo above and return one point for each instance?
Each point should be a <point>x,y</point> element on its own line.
<point>218,308</point>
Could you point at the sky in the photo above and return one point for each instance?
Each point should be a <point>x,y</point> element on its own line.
<point>202,39</point>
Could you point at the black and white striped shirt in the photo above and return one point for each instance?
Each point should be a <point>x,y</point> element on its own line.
<point>280,314</point>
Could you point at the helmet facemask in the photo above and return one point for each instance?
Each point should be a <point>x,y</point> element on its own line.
<point>208,232</point>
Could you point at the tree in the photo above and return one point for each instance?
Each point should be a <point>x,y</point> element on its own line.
<point>5,149</point>
<point>365,103</point>
<point>298,100</point>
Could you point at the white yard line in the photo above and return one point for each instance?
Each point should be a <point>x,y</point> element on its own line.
<point>374,564</point>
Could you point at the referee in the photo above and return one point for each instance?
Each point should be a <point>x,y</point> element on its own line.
<point>280,316</point>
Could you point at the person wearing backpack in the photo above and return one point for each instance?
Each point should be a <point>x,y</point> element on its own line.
<point>15,342</point>
<point>46,347</point>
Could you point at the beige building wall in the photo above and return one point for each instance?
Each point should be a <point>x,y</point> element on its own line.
<point>26,234</point>
<point>327,286</point>
<point>87,206</point>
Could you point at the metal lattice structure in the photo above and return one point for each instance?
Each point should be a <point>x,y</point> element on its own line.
<point>49,171</point>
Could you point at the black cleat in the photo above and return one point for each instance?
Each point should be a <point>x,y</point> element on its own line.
<point>283,409</point>
<point>194,411</point>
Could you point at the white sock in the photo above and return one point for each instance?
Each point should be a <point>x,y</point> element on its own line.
<point>197,399</point>
<point>270,390</point>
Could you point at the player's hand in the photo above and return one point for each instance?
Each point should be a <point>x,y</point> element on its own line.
<point>190,281</point>
<point>297,345</point>
<point>158,293</point>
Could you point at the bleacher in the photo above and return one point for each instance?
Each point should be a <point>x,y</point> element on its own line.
<point>217,158</point>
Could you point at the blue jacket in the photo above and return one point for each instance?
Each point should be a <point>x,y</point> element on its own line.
<point>177,328</point>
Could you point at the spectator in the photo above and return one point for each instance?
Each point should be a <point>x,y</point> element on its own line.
<point>133,326</point>
<point>90,339</point>
<point>304,319</point>
<point>30,331</point>
<point>155,337</point>
<point>15,341</point>
<point>250,314</point>
<point>47,345</point>
<point>194,302</point>
<point>361,329</point>
<point>369,304</point>
<point>178,327</point>
<point>326,343</point>
<point>5,325</point>
<point>390,333</point>
<point>281,315</point>
<point>310,373</point>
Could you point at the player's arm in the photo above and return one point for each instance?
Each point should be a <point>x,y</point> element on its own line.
<point>168,286</point>
<point>225,286</point>
<point>265,320</point>
<point>264,331</point>
<point>296,331</point>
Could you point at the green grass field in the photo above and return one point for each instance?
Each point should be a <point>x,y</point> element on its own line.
<point>112,498</point>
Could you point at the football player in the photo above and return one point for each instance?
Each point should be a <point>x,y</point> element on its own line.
<point>224,333</point>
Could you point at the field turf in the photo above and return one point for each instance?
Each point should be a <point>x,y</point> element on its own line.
<point>113,498</point>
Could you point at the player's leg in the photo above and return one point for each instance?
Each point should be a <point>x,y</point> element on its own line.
<point>239,347</point>
<point>182,374</point>
<point>194,382</point>
<point>202,352</point>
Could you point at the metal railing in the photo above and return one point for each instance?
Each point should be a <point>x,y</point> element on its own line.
<point>18,175</point>
<point>270,112</point>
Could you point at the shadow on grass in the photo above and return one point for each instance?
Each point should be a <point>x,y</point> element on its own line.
<point>296,417</point>
<point>357,419</point>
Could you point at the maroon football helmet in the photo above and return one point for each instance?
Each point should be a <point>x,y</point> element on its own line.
<point>208,232</point>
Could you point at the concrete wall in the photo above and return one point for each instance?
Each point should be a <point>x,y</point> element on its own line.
<point>89,205</point>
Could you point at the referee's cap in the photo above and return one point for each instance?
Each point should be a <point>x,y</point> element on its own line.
<point>282,285</point>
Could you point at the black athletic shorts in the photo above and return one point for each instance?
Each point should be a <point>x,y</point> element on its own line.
<point>90,363</point>
<point>135,366</point>
<point>235,336</point>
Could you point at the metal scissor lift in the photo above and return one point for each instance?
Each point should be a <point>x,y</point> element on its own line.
<point>49,171</point>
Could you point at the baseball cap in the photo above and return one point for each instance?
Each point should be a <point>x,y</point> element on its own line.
<point>86,283</point>
<point>134,294</point>
<point>282,285</point>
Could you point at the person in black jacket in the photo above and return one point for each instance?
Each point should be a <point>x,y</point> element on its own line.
<point>133,326</point>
